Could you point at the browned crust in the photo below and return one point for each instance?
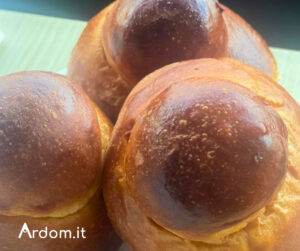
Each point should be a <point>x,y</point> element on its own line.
<point>68,114</point>
<point>88,66</point>
<point>92,68</point>
<point>246,45</point>
<point>268,231</point>
<point>50,145</point>
<point>200,144</point>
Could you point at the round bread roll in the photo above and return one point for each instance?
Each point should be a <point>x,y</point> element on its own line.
<point>205,156</point>
<point>52,144</point>
<point>131,38</point>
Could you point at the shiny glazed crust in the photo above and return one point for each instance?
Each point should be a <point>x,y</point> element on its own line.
<point>29,102</point>
<point>274,228</point>
<point>88,66</point>
<point>93,66</point>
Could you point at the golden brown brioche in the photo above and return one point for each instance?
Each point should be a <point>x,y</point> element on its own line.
<point>204,156</point>
<point>131,38</point>
<point>52,144</point>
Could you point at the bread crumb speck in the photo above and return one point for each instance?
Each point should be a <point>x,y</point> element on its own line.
<point>182,122</point>
<point>53,115</point>
<point>210,154</point>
